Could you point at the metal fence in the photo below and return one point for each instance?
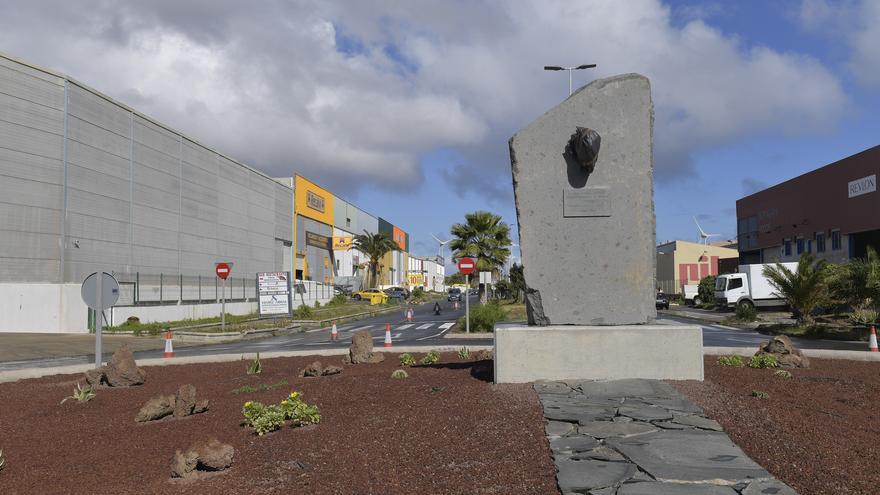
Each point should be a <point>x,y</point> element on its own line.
<point>136,289</point>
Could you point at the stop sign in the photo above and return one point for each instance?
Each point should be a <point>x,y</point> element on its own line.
<point>223,270</point>
<point>466,266</point>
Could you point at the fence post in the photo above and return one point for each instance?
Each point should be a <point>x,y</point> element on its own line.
<point>137,287</point>
<point>200,288</point>
<point>180,286</point>
<point>160,288</point>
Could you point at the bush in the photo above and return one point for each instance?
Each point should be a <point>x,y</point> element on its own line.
<point>760,394</point>
<point>256,367</point>
<point>132,320</point>
<point>733,360</point>
<point>406,359</point>
<point>399,374</point>
<point>432,357</point>
<point>265,418</point>
<point>746,312</point>
<point>81,394</point>
<point>338,300</point>
<point>418,293</point>
<point>863,316</point>
<point>484,317</point>
<point>706,290</point>
<point>763,361</point>
<point>303,313</point>
<point>464,353</point>
<point>783,374</point>
<point>317,304</point>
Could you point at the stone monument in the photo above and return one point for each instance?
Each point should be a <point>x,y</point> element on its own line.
<point>583,182</point>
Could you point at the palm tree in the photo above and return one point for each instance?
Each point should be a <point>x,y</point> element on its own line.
<point>375,246</point>
<point>857,282</point>
<point>805,289</point>
<point>483,237</point>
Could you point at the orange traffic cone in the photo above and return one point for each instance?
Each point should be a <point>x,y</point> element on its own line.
<point>334,334</point>
<point>169,349</point>
<point>409,314</point>
<point>387,335</point>
<point>872,340</point>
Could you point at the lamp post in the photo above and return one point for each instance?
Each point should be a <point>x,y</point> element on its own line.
<point>569,69</point>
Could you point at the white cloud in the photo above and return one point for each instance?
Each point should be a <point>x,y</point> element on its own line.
<point>267,84</point>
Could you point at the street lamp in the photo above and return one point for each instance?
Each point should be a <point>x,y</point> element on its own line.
<point>569,69</point>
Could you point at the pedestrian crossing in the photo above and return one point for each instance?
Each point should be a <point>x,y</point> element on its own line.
<point>439,325</point>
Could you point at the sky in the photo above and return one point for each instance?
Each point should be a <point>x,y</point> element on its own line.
<point>405,107</point>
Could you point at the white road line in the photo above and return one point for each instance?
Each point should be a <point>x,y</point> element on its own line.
<point>404,327</point>
<point>436,334</point>
<point>365,327</point>
<point>425,326</point>
<point>447,326</point>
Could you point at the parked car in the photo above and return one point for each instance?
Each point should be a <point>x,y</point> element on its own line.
<point>454,294</point>
<point>397,293</point>
<point>662,301</point>
<point>375,296</point>
<point>343,290</point>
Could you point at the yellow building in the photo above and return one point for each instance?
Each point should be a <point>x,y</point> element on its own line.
<point>313,225</point>
<point>682,263</point>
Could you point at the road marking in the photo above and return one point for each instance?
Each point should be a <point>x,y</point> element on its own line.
<point>404,327</point>
<point>425,326</point>
<point>447,326</point>
<point>365,327</point>
<point>437,334</point>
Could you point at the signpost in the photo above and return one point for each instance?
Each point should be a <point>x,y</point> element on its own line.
<point>223,270</point>
<point>99,291</point>
<point>467,266</point>
<point>273,291</point>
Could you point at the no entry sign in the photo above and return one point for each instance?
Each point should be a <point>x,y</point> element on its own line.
<point>223,270</point>
<point>466,266</point>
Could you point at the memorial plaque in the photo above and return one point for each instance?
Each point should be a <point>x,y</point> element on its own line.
<point>586,202</point>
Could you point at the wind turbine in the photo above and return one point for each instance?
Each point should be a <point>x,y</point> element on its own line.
<point>704,237</point>
<point>440,247</point>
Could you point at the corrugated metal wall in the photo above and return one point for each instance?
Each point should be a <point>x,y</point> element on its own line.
<point>139,197</point>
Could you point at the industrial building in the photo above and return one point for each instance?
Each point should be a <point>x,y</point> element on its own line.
<point>830,212</point>
<point>681,263</point>
<point>88,183</point>
<point>428,273</point>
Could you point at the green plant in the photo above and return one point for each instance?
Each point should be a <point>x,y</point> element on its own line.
<point>517,280</point>
<point>298,412</point>
<point>399,374</point>
<point>303,313</point>
<point>746,312</point>
<point>81,394</point>
<point>406,359</point>
<point>484,317</point>
<point>374,246</point>
<point>432,357</point>
<point>418,293</point>
<point>805,289</point>
<point>317,304</point>
<point>338,300</point>
<point>706,290</point>
<point>483,237</point>
<point>763,361</point>
<point>264,418</point>
<point>760,394</point>
<point>864,316</point>
<point>2,460</point>
<point>256,366</point>
<point>732,360</point>
<point>247,389</point>
<point>783,374</point>
<point>857,282</point>
<point>464,353</point>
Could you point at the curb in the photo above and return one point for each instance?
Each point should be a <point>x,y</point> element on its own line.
<point>467,336</point>
<point>185,336</point>
<point>15,375</point>
<point>813,353</point>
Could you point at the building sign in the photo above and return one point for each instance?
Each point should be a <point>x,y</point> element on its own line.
<point>415,278</point>
<point>861,186</point>
<point>273,290</point>
<point>314,201</point>
<point>317,240</point>
<point>343,243</point>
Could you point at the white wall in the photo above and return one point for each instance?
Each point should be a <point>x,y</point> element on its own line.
<point>35,308</point>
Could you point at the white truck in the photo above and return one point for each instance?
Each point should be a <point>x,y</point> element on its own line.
<point>748,287</point>
<point>691,294</point>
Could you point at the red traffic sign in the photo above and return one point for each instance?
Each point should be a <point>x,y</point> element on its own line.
<point>466,266</point>
<point>223,270</point>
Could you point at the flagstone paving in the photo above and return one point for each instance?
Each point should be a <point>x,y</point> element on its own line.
<point>642,437</point>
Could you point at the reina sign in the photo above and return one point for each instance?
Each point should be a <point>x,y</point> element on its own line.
<point>315,201</point>
<point>861,186</point>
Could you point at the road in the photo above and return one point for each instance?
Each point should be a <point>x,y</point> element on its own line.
<point>427,329</point>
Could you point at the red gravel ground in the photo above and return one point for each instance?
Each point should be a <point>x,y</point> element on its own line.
<point>819,432</point>
<point>443,430</point>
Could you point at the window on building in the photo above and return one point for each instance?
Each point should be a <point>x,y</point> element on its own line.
<point>735,283</point>
<point>747,233</point>
<point>809,245</point>
<point>820,242</point>
<point>835,240</point>
<point>348,222</point>
<point>800,245</point>
<point>786,247</point>
<point>338,264</point>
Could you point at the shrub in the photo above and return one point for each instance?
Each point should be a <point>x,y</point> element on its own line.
<point>805,289</point>
<point>247,389</point>
<point>706,290</point>
<point>464,353</point>
<point>303,313</point>
<point>484,317</point>
<point>132,320</point>
<point>81,394</point>
<point>746,312</point>
<point>783,374</point>
<point>256,367</point>
<point>406,359</point>
<point>338,300</point>
<point>432,357</point>
<point>760,394</point>
<point>265,418</point>
<point>733,360</point>
<point>485,355</point>
<point>864,316</point>
<point>763,361</point>
<point>418,293</point>
<point>399,374</point>
<point>317,304</point>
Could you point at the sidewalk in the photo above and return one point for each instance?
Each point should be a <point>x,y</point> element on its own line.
<point>26,346</point>
<point>719,317</point>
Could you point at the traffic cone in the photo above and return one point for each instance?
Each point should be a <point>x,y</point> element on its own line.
<point>334,334</point>
<point>169,349</point>
<point>872,340</point>
<point>409,314</point>
<point>387,335</point>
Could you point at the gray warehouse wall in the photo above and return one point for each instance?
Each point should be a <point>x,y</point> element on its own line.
<point>138,196</point>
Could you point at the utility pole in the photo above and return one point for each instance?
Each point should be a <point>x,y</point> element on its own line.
<point>569,69</point>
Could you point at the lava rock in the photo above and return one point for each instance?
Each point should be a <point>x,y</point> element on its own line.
<point>331,370</point>
<point>185,401</point>
<point>361,350</point>
<point>201,406</point>
<point>183,464</point>
<point>787,356</point>
<point>122,371</point>
<point>313,369</point>
<point>156,408</point>
<point>215,456</point>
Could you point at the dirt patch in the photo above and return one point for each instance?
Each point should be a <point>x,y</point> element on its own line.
<point>445,429</point>
<point>817,431</point>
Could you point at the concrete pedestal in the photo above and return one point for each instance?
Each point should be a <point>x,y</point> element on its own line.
<point>583,352</point>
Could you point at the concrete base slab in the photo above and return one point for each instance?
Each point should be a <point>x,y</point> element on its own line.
<point>575,352</point>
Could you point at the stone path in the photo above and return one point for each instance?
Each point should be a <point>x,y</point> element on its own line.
<point>642,437</point>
